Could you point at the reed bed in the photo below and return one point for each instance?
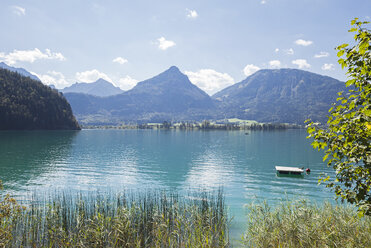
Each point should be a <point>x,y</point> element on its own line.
<point>151,219</point>
<point>160,219</point>
<point>301,224</point>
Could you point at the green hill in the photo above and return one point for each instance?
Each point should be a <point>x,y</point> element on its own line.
<point>28,104</point>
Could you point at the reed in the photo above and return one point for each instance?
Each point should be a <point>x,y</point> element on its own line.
<point>301,224</point>
<point>149,219</point>
<point>160,219</point>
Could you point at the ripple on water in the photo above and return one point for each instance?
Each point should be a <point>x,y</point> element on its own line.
<point>92,160</point>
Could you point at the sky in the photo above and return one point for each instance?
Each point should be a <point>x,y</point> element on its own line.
<point>216,43</point>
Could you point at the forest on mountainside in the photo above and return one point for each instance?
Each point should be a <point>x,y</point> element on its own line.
<point>28,104</point>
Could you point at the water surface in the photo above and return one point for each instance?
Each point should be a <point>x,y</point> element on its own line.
<point>113,160</point>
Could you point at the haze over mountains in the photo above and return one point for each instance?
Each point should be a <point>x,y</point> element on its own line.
<point>167,96</point>
<point>280,95</point>
<point>100,87</point>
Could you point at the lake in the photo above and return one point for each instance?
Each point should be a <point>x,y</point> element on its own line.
<point>114,160</point>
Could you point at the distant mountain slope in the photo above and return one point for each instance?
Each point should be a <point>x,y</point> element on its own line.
<point>28,104</point>
<point>283,95</point>
<point>99,88</point>
<point>167,96</point>
<point>170,91</point>
<point>21,71</point>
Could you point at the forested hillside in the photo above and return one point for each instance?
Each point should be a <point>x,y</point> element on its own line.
<point>280,95</point>
<point>28,104</point>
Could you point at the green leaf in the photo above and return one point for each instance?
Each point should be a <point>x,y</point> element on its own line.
<point>310,130</point>
<point>342,46</point>
<point>340,53</point>
<point>325,157</point>
<point>350,82</point>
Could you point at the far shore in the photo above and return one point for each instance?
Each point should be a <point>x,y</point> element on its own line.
<point>230,124</point>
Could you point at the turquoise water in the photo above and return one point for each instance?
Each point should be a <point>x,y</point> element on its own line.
<point>112,160</point>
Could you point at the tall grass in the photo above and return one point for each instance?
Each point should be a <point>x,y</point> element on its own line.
<point>159,219</point>
<point>301,224</point>
<point>152,219</point>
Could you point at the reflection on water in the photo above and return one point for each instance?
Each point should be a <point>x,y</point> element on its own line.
<point>91,160</point>
<point>210,170</point>
<point>26,157</point>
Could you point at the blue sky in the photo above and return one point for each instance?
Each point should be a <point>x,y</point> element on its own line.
<point>216,43</point>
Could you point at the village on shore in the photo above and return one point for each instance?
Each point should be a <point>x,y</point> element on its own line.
<point>227,124</point>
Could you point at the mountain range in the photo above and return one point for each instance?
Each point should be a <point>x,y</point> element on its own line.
<point>167,96</point>
<point>100,87</point>
<point>280,95</point>
<point>269,95</point>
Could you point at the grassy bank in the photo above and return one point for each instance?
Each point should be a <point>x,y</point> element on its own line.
<point>157,219</point>
<point>136,220</point>
<point>300,224</point>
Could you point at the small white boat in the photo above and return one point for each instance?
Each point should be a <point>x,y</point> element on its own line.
<point>283,170</point>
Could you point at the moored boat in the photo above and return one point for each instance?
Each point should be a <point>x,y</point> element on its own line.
<point>287,171</point>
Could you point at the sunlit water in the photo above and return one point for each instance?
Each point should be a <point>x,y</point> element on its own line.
<point>113,160</point>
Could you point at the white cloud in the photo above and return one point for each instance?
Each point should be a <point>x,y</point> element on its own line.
<point>126,83</point>
<point>250,69</point>
<point>53,77</point>
<point>192,14</point>
<point>301,63</point>
<point>275,64</point>
<point>263,1</point>
<point>289,51</point>
<point>46,79</point>
<point>322,55</point>
<point>276,50</point>
<point>91,76</point>
<point>210,80</point>
<point>19,11</point>
<point>29,56</point>
<point>164,44</point>
<point>328,67</point>
<point>302,42</point>
<point>120,60</point>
